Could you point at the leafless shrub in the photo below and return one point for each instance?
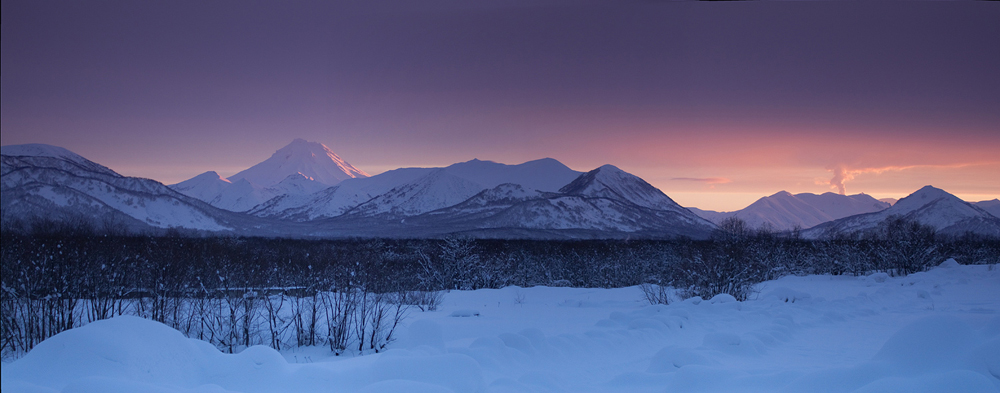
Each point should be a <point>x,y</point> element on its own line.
<point>656,294</point>
<point>423,300</point>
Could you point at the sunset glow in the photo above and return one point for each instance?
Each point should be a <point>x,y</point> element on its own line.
<point>715,106</point>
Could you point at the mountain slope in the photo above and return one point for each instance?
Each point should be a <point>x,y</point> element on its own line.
<point>610,182</point>
<point>930,206</point>
<point>37,183</point>
<point>337,200</point>
<point>64,158</point>
<point>991,206</point>
<point>436,190</point>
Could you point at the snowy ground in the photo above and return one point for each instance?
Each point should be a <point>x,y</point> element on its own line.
<point>937,331</point>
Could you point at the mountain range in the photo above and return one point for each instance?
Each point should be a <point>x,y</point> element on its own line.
<point>928,205</point>
<point>306,190</point>
<point>784,211</point>
<point>301,168</point>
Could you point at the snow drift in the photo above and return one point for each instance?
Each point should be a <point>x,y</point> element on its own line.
<point>936,331</point>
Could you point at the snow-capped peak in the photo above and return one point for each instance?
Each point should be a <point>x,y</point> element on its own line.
<point>608,181</point>
<point>208,176</point>
<point>311,159</point>
<point>205,186</point>
<point>922,197</point>
<point>929,206</point>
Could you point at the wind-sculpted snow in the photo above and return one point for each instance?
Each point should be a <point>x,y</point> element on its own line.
<point>936,331</point>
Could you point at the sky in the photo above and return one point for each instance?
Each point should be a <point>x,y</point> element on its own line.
<point>716,104</point>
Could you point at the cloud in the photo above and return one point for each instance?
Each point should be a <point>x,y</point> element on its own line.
<point>843,174</point>
<point>706,180</point>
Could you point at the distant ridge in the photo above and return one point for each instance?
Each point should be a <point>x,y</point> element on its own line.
<point>931,206</point>
<point>410,191</point>
<point>783,211</point>
<point>541,199</point>
<point>49,182</point>
<point>604,203</point>
<point>991,206</point>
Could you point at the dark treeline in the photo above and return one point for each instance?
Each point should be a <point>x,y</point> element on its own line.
<point>350,294</point>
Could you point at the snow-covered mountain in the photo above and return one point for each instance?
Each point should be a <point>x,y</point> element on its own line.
<point>311,159</point>
<point>991,206</point>
<point>605,202</point>
<point>42,181</point>
<point>610,182</point>
<point>546,174</point>
<point>336,200</point>
<point>205,186</point>
<point>929,206</point>
<point>412,191</point>
<point>298,169</point>
<point>436,190</point>
<point>784,211</point>
<point>536,199</point>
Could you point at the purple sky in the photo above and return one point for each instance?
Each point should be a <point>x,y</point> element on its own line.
<point>717,104</point>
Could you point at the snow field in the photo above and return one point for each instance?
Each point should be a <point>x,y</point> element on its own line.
<point>936,331</point>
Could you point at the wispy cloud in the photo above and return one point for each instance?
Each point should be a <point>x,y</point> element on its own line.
<point>842,173</point>
<point>706,180</point>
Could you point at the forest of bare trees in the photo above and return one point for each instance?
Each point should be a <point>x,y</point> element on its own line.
<point>351,294</point>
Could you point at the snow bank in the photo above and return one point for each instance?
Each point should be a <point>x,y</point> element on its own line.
<point>937,331</point>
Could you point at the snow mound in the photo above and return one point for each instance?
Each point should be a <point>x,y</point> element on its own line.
<point>722,298</point>
<point>949,263</point>
<point>876,278</point>
<point>128,348</point>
